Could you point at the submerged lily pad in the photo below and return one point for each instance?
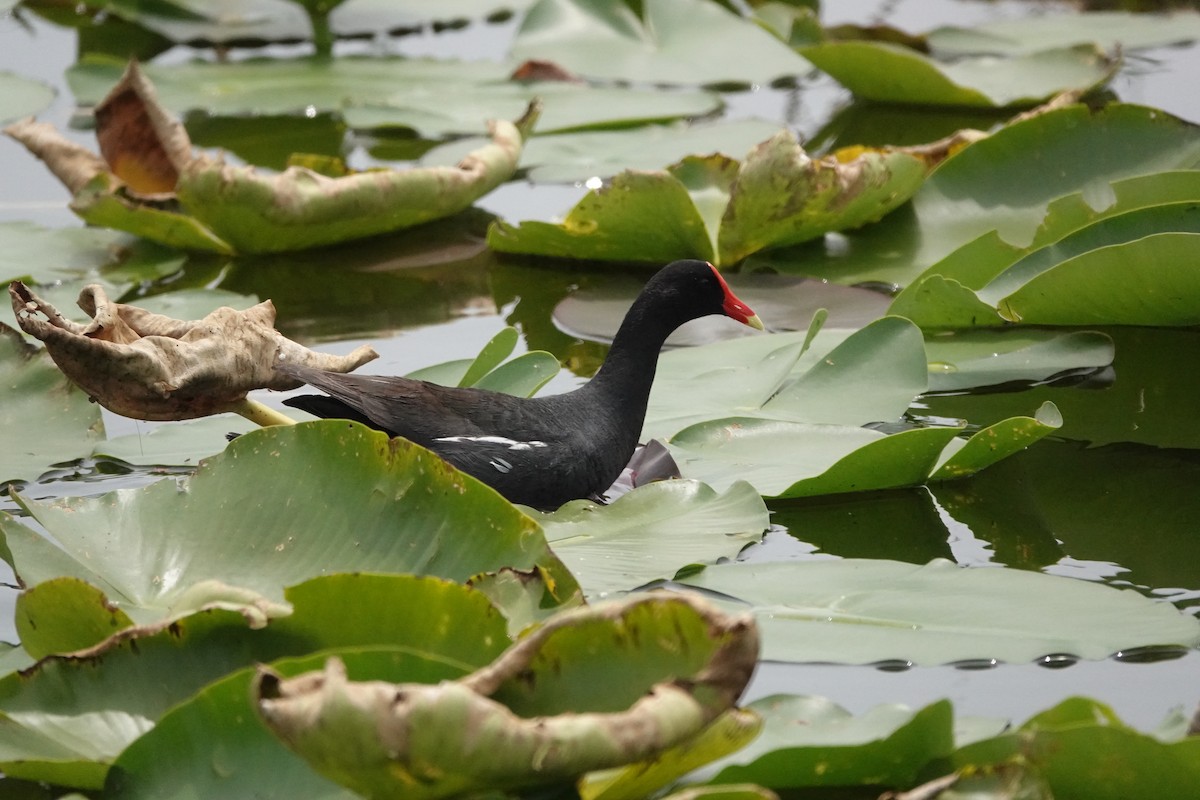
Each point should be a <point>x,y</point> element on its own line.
<point>653,532</point>
<point>240,552</point>
<point>888,73</point>
<point>720,210</point>
<point>862,611</point>
<point>663,41</point>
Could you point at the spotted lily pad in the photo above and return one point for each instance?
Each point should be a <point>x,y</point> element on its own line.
<point>721,210</point>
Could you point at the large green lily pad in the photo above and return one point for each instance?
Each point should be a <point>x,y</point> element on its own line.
<point>721,210</point>
<point>1109,29</point>
<point>662,41</point>
<point>1127,268</point>
<point>1006,183</point>
<point>72,256</point>
<point>581,156</point>
<point>233,546</point>
<point>653,532</point>
<point>889,73</point>
<point>862,611</point>
<point>786,416</point>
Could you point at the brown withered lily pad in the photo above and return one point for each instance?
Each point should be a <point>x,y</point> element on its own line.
<point>593,688</point>
<point>148,366</point>
<point>151,182</point>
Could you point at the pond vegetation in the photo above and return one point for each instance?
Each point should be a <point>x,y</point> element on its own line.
<point>965,445</point>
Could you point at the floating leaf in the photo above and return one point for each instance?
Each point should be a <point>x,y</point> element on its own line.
<point>154,185</point>
<point>379,494</point>
<point>888,73</point>
<point>569,106</point>
<point>44,419</point>
<point>1061,746</point>
<point>40,255</point>
<point>811,742</point>
<point>652,532</point>
<point>1130,268</point>
<point>664,41</point>
<point>970,359</point>
<point>102,698</point>
<point>578,156</point>
<point>1002,184</point>
<point>861,611</point>
<point>1108,29</point>
<point>591,689</point>
<point>717,209</point>
<point>149,366</point>
<point>22,97</point>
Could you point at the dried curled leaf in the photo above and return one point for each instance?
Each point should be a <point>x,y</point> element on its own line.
<point>148,366</point>
<point>151,183</point>
<point>144,145</point>
<point>514,723</point>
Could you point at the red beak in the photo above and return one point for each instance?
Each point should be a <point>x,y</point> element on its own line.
<point>735,308</point>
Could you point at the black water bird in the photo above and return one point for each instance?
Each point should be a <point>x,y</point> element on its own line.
<point>540,451</point>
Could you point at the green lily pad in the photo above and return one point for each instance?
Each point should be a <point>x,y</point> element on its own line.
<point>278,86</point>
<point>104,703</point>
<point>1149,399</point>
<point>720,210</point>
<point>579,156</point>
<point>889,73</point>
<point>40,255</point>
<point>1108,29</point>
<point>861,611</point>
<point>811,742</point>
<point>1130,268</point>
<point>44,419</point>
<point>1002,184</point>
<point>969,359</point>
<point>663,41</point>
<point>239,551</point>
<point>1061,746</point>
<point>461,108</point>
<point>21,96</point>
<point>653,532</point>
<point>848,378</point>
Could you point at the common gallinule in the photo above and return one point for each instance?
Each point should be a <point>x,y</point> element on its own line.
<point>540,451</point>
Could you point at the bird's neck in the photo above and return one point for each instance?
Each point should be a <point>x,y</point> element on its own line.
<point>628,371</point>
